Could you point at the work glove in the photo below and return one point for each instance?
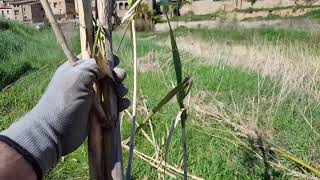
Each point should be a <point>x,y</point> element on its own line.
<point>58,124</point>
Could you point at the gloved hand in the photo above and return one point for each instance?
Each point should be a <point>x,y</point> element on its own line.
<point>58,124</point>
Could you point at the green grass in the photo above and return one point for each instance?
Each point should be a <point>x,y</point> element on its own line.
<point>236,34</point>
<point>313,14</point>
<point>193,17</point>
<point>23,50</point>
<point>270,16</point>
<point>29,67</point>
<point>209,157</point>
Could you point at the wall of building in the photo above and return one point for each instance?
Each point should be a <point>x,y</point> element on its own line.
<point>209,6</point>
<point>32,11</point>
<point>63,9</point>
<point>37,13</point>
<point>27,13</point>
<point>122,7</point>
<point>17,12</point>
<point>6,13</point>
<point>58,8</point>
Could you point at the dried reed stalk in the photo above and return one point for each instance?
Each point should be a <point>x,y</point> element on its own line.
<point>104,143</point>
<point>134,100</point>
<point>161,165</point>
<point>57,30</point>
<point>97,147</point>
<point>95,132</point>
<point>112,167</point>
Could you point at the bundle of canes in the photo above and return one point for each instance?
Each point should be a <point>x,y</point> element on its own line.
<point>104,140</point>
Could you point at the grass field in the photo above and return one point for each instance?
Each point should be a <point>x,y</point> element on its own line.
<point>251,86</point>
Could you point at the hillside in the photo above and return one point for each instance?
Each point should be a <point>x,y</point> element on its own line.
<point>24,50</point>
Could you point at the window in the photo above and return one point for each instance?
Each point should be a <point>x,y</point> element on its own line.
<point>16,12</point>
<point>121,5</point>
<point>24,9</point>
<point>7,11</point>
<point>126,6</point>
<point>2,12</point>
<point>55,5</point>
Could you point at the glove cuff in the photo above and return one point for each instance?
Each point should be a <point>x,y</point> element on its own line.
<point>26,155</point>
<point>35,139</point>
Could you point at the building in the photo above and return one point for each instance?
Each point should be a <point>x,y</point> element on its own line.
<point>6,12</point>
<point>63,9</point>
<point>33,13</point>
<point>29,11</point>
<point>122,7</point>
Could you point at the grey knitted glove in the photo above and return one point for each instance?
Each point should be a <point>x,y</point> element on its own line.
<point>58,124</point>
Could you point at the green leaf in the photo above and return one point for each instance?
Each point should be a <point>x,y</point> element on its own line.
<point>176,63</point>
<point>180,87</point>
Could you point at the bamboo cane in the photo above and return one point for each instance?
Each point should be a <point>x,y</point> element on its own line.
<point>98,146</point>
<point>95,151</point>
<point>112,167</point>
<point>104,143</point>
<point>57,31</point>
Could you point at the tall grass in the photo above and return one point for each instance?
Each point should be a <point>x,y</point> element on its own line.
<point>23,50</point>
<point>293,67</point>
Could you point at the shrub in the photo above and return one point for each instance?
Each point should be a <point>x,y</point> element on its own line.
<point>4,25</point>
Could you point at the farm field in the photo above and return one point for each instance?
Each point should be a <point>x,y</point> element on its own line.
<point>254,91</point>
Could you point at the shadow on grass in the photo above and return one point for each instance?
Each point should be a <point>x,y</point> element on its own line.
<point>10,75</point>
<point>253,164</point>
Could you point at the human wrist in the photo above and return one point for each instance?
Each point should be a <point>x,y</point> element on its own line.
<point>35,140</point>
<point>13,158</point>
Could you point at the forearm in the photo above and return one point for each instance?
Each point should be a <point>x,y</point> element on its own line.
<point>13,165</point>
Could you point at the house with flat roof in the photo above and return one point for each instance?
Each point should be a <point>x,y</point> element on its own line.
<point>6,12</point>
<point>29,11</point>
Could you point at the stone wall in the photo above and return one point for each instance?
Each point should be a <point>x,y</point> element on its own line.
<point>209,6</point>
